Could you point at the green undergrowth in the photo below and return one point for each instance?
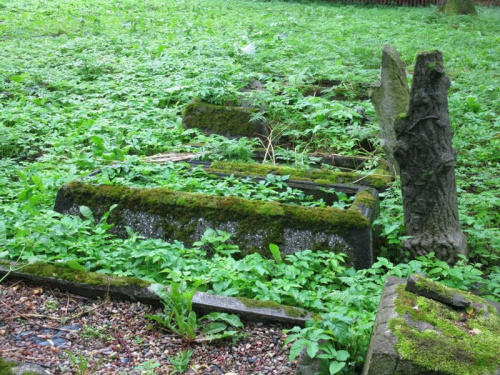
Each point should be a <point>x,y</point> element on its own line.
<point>85,84</point>
<point>185,178</point>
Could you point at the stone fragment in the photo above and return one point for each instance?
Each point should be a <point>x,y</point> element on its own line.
<point>390,98</point>
<point>425,287</point>
<point>94,285</point>
<point>417,335</point>
<point>30,368</point>
<point>229,121</point>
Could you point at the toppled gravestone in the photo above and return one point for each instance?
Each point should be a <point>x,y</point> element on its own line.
<point>229,121</point>
<point>390,98</point>
<point>423,327</point>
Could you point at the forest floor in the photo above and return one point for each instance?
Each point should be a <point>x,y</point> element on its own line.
<point>41,325</point>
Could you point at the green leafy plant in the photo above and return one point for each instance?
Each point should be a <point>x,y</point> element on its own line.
<point>180,361</point>
<point>180,318</point>
<point>81,364</point>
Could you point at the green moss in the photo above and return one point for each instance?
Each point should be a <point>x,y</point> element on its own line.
<point>459,7</point>
<point>254,214</point>
<point>6,367</point>
<point>290,311</point>
<point>432,286</point>
<point>452,347</point>
<point>313,175</point>
<point>366,198</point>
<point>225,120</point>
<point>401,116</point>
<point>66,273</point>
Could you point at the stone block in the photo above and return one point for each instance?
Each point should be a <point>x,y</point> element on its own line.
<point>229,121</point>
<point>423,334</point>
<point>172,215</point>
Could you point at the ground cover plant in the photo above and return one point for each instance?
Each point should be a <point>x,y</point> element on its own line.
<point>84,84</point>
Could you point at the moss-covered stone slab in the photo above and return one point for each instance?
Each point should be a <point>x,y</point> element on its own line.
<point>94,285</point>
<point>379,179</point>
<point>229,121</point>
<point>21,368</point>
<point>172,215</point>
<point>415,334</point>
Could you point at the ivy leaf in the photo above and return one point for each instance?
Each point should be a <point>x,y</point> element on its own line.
<point>75,265</point>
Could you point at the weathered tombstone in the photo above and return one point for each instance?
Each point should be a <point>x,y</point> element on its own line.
<point>419,330</point>
<point>390,98</point>
<point>458,7</point>
<point>426,159</point>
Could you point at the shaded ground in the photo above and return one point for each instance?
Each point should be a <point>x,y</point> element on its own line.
<point>41,325</point>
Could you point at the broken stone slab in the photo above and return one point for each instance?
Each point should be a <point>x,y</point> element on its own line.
<point>229,121</point>
<point>390,98</point>
<point>381,357</point>
<point>424,287</point>
<point>21,368</point>
<point>94,285</point>
<point>415,335</point>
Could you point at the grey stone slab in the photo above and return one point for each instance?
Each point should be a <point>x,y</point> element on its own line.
<point>171,215</point>
<point>381,357</point>
<point>440,294</point>
<point>248,309</point>
<point>390,98</point>
<point>31,368</point>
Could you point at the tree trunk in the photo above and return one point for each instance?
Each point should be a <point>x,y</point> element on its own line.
<point>426,159</point>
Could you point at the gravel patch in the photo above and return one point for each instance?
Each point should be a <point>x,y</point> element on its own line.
<point>41,325</point>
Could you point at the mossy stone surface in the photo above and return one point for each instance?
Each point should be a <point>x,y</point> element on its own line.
<point>91,278</point>
<point>289,310</point>
<point>229,121</point>
<point>377,180</point>
<point>459,7</point>
<point>454,341</point>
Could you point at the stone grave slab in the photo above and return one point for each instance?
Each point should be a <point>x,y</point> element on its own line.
<point>229,121</point>
<point>94,285</point>
<point>423,327</point>
<point>173,215</point>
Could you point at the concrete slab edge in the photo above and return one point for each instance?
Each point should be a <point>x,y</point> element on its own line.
<point>204,303</point>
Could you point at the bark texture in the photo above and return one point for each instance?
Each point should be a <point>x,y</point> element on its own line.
<point>426,159</point>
